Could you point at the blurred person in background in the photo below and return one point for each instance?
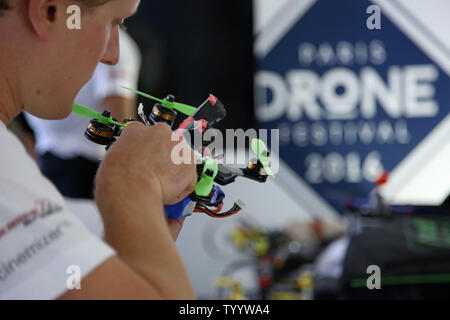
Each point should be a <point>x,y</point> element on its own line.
<point>65,156</point>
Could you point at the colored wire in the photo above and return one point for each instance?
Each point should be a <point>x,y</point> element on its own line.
<point>201,208</point>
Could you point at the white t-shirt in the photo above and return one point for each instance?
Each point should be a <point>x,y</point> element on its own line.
<point>39,238</point>
<point>65,138</point>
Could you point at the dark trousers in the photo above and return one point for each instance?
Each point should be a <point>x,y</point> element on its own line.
<point>74,178</point>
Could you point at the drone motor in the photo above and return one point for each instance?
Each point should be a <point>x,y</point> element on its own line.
<point>255,170</point>
<point>162,114</point>
<point>100,133</point>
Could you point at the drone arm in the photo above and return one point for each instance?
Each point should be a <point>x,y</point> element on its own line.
<point>227,174</point>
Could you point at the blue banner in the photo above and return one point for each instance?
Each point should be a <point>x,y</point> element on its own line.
<point>350,102</point>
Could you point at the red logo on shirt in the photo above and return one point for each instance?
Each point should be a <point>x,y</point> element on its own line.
<point>42,209</point>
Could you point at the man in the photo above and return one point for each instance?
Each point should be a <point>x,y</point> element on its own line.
<point>65,156</point>
<point>43,65</point>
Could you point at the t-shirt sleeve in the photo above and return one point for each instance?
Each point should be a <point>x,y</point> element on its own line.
<point>45,251</point>
<point>109,79</point>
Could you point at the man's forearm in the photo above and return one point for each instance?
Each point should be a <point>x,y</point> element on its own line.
<point>136,228</point>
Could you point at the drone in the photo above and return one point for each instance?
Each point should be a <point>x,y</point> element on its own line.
<point>208,196</point>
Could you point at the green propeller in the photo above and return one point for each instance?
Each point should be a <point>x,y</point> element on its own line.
<point>259,148</point>
<point>89,113</point>
<point>204,186</point>
<point>183,108</point>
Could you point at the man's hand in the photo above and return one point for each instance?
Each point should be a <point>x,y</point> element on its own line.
<point>135,180</point>
<point>175,226</point>
<point>140,162</point>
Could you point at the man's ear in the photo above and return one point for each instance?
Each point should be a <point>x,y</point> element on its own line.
<point>42,15</point>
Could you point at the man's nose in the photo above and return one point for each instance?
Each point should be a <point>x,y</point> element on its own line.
<point>112,53</point>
